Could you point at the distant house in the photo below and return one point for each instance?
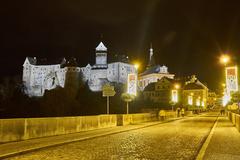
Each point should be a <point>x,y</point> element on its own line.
<point>167,92</point>
<point>161,91</point>
<point>212,98</point>
<point>153,73</point>
<point>195,94</point>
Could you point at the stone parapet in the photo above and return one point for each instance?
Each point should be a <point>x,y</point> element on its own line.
<point>28,128</point>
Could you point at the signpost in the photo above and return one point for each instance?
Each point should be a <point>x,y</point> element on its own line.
<point>108,91</point>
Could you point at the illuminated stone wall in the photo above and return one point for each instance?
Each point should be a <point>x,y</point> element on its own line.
<point>38,78</point>
<point>28,128</point>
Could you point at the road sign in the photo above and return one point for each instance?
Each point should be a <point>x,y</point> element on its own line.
<point>108,90</point>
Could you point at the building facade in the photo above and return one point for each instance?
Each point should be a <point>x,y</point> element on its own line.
<point>39,77</point>
<point>165,93</point>
<point>195,94</point>
<point>102,72</point>
<point>212,99</point>
<point>153,73</point>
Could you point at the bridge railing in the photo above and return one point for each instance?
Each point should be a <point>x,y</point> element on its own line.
<point>235,119</point>
<point>27,128</point>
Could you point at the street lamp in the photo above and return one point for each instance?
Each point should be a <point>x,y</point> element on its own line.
<point>176,86</point>
<point>136,66</point>
<point>224,59</point>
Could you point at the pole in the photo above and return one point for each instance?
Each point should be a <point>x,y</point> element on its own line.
<point>107,104</point>
<point>127,107</point>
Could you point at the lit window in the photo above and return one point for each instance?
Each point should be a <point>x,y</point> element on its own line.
<point>190,100</point>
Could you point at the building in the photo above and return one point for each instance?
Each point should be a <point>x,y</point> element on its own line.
<point>195,93</point>
<point>166,92</point>
<point>161,92</point>
<point>102,72</point>
<point>38,77</point>
<point>212,99</point>
<point>153,72</point>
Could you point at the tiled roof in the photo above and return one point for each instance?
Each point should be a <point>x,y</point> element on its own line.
<point>101,47</point>
<point>32,61</point>
<point>154,69</point>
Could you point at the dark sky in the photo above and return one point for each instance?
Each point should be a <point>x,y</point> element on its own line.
<point>187,35</point>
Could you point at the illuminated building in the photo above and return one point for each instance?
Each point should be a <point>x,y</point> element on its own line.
<point>163,91</point>
<point>38,76</point>
<point>102,72</point>
<point>212,98</point>
<point>153,72</point>
<point>195,93</point>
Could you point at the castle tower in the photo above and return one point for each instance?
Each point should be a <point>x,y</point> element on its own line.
<point>101,56</point>
<point>72,77</point>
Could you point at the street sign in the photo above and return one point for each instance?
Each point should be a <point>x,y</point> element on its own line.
<point>108,90</point>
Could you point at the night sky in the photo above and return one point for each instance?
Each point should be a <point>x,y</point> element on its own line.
<point>187,35</point>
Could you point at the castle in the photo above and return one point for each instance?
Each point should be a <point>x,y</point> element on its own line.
<point>37,77</point>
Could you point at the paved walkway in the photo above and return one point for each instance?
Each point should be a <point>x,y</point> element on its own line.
<point>225,142</point>
<point>13,148</point>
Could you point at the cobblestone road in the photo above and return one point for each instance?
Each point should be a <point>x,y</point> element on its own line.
<point>174,140</point>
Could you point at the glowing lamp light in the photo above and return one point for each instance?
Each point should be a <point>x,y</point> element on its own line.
<point>176,86</point>
<point>136,66</point>
<point>224,59</point>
